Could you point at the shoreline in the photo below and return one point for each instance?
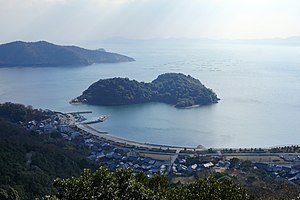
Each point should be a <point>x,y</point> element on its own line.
<point>132,143</point>
<point>103,135</point>
<point>159,147</point>
<point>170,153</point>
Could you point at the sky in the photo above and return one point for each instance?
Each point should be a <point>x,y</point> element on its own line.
<point>89,20</point>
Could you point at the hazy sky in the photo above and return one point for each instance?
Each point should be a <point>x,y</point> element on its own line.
<point>76,20</point>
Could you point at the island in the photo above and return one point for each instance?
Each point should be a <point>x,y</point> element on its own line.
<point>172,88</point>
<point>43,53</point>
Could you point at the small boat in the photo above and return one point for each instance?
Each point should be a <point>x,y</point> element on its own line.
<point>103,118</point>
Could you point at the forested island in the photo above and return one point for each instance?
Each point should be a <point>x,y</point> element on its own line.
<point>43,53</point>
<point>171,88</point>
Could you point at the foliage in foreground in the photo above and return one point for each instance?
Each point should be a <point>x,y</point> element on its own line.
<point>123,184</point>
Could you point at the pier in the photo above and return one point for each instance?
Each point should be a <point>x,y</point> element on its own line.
<point>100,119</point>
<point>79,112</point>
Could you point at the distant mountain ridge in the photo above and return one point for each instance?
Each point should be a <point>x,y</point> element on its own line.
<point>43,53</point>
<point>287,41</point>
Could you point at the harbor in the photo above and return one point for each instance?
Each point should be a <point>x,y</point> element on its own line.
<point>86,127</point>
<point>177,161</point>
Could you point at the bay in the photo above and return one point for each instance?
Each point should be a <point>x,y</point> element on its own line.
<point>259,87</point>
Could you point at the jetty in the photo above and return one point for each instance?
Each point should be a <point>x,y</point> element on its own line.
<point>100,119</point>
<point>79,112</point>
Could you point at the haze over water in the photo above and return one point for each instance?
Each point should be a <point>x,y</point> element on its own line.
<point>259,87</point>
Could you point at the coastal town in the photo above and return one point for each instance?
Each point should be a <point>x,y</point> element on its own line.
<point>281,163</point>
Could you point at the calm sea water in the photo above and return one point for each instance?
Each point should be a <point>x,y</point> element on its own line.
<point>259,87</point>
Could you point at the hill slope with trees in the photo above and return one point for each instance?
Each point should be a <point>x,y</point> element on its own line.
<point>30,162</point>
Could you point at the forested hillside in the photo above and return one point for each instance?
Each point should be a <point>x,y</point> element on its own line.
<point>30,162</point>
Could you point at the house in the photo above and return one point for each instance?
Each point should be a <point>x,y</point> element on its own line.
<point>263,166</point>
<point>208,165</point>
<point>31,124</point>
<point>144,167</point>
<point>294,171</point>
<point>133,153</point>
<point>219,169</point>
<point>88,141</point>
<point>106,146</point>
<point>117,156</point>
<point>286,169</point>
<point>132,159</point>
<point>157,163</point>
<point>100,155</point>
<point>125,166</point>
<point>194,166</point>
<point>151,162</point>
<point>149,167</point>
<point>154,169</point>
<point>146,160</point>
<point>181,168</point>
<point>182,161</point>
<point>136,166</point>
<point>63,128</point>
<point>163,167</point>
<point>222,163</point>
<point>189,169</point>
<point>276,168</point>
<point>109,155</point>
<point>174,169</point>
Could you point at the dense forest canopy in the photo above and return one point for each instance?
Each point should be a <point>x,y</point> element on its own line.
<point>171,88</point>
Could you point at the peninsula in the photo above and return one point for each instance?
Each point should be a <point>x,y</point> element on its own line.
<point>43,53</point>
<point>171,88</point>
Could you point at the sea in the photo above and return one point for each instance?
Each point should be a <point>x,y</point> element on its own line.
<point>259,88</point>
